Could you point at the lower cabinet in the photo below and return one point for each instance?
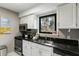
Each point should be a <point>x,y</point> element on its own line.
<point>26,53</point>
<point>45,53</point>
<point>26,48</point>
<point>33,49</point>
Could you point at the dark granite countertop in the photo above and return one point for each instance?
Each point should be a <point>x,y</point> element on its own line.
<point>64,44</point>
<point>70,48</point>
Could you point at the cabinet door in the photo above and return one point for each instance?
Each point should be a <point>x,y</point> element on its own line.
<point>24,20</point>
<point>27,51</point>
<point>32,22</point>
<point>35,49</point>
<point>26,48</point>
<point>78,15</point>
<point>66,16</point>
<point>45,53</point>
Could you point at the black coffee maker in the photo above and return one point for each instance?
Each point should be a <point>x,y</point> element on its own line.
<point>31,33</point>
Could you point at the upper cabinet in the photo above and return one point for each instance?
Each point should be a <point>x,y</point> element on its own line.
<point>66,16</point>
<point>24,20</point>
<point>30,21</point>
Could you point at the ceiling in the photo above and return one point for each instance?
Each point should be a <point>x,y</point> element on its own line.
<point>19,7</point>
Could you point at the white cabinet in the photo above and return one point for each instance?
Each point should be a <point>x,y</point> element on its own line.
<point>26,48</point>
<point>30,21</point>
<point>30,49</point>
<point>34,49</point>
<point>78,15</point>
<point>46,51</point>
<point>41,50</point>
<point>66,16</point>
<point>24,20</point>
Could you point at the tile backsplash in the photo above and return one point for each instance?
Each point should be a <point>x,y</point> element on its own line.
<point>63,33</point>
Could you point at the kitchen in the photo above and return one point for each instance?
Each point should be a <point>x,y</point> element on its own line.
<point>41,29</point>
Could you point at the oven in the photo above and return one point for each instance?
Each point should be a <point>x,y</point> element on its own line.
<point>18,45</point>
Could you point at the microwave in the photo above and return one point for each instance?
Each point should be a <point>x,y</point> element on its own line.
<point>23,27</point>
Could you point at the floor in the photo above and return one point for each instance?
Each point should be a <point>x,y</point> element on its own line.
<point>12,54</point>
<point>15,54</point>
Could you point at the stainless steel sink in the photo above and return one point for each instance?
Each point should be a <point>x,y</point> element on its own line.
<point>49,44</point>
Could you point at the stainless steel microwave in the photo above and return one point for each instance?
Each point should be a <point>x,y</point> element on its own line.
<point>23,27</point>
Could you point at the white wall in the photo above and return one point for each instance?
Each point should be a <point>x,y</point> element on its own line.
<point>8,39</point>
